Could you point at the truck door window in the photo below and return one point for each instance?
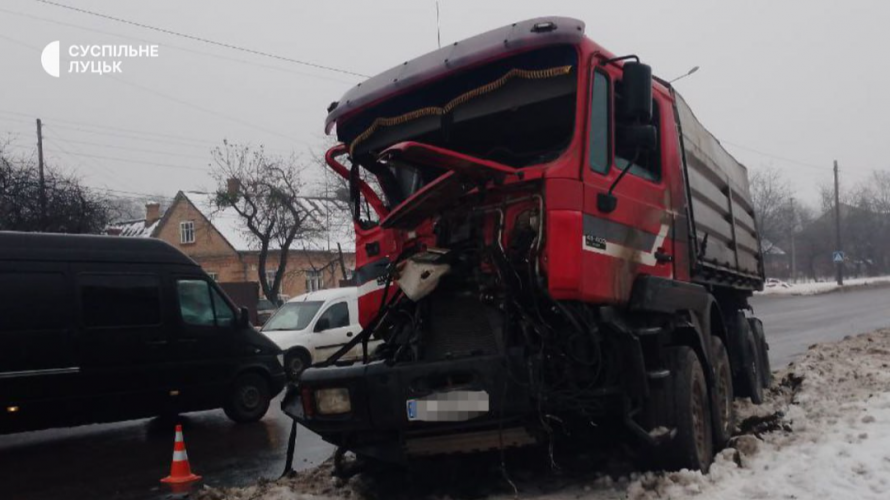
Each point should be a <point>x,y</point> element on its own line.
<point>337,316</point>
<point>195,305</point>
<point>599,123</point>
<point>225,316</point>
<point>648,164</point>
<point>119,300</point>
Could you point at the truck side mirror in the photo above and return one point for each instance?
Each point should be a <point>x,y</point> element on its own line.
<point>636,98</point>
<point>638,137</point>
<point>243,317</point>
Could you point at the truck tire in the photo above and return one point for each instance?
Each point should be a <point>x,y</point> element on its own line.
<point>725,411</point>
<point>248,399</point>
<point>693,445</point>
<point>766,373</point>
<point>752,382</point>
<point>295,361</point>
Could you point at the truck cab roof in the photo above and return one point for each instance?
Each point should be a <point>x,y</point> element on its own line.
<point>534,33</point>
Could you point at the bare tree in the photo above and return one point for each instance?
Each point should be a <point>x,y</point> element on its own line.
<point>771,194</point>
<point>71,207</point>
<point>264,190</point>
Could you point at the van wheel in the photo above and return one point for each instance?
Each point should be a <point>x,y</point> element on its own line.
<point>249,399</point>
<point>692,447</point>
<point>723,387</point>
<point>295,362</point>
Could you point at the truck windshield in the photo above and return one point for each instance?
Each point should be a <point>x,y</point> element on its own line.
<point>519,111</point>
<point>293,316</point>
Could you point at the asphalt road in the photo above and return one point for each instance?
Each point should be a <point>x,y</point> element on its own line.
<point>126,460</point>
<point>792,324</point>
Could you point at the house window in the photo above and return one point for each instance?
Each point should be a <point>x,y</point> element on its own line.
<point>314,281</point>
<point>187,232</point>
<point>214,276</point>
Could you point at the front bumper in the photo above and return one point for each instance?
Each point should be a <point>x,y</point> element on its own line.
<point>378,423</point>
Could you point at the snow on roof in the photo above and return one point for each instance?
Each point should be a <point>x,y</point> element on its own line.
<point>132,228</point>
<point>326,212</point>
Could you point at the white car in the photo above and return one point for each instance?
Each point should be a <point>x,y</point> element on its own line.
<point>313,326</point>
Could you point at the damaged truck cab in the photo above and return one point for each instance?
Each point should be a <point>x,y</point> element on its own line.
<point>547,238</point>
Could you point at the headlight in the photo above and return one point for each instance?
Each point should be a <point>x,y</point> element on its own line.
<point>333,401</point>
<point>280,359</point>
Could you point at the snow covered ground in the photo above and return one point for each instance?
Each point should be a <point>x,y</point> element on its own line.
<point>823,433</point>
<point>823,287</point>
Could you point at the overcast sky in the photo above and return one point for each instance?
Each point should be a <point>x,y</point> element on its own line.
<point>803,81</point>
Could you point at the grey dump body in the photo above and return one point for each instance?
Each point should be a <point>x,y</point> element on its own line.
<point>727,243</point>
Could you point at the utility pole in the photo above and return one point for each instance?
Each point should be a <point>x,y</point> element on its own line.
<point>839,265</point>
<point>793,252</point>
<point>42,179</point>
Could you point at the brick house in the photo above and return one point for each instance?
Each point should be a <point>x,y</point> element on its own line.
<point>219,242</point>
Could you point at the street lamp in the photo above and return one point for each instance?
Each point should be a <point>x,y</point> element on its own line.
<point>691,71</point>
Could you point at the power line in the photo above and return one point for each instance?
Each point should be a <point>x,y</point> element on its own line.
<point>138,150</point>
<point>769,155</point>
<point>204,40</point>
<point>129,160</point>
<point>116,129</point>
<point>166,45</point>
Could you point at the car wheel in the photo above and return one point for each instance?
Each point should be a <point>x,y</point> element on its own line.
<point>692,447</point>
<point>724,393</point>
<point>249,398</point>
<point>295,362</point>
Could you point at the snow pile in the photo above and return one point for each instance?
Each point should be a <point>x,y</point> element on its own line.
<point>824,432</point>
<point>824,287</point>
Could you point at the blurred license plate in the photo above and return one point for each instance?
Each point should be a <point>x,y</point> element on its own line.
<point>451,406</point>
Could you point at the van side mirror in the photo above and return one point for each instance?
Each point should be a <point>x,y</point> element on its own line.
<point>322,324</point>
<point>243,317</point>
<point>636,98</point>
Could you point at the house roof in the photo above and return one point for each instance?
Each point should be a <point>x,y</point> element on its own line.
<point>326,212</point>
<point>134,228</point>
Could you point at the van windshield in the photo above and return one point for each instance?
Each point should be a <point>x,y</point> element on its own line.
<point>293,316</point>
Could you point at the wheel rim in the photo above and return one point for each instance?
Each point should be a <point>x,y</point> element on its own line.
<point>250,397</point>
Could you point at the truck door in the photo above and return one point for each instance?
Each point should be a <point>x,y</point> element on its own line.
<point>635,238</point>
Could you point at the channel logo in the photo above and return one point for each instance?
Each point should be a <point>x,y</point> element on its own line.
<point>50,59</point>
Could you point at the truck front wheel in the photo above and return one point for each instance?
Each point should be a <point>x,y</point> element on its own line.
<point>692,446</point>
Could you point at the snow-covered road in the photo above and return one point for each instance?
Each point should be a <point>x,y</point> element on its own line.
<point>824,433</point>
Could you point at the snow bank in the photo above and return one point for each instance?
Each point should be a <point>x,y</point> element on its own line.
<point>824,287</point>
<point>824,432</point>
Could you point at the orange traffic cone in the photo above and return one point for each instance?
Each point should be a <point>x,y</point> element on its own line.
<point>180,472</point>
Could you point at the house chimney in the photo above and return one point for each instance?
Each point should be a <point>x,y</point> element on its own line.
<point>233,185</point>
<point>152,213</point>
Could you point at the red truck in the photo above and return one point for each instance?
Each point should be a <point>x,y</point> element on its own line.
<point>549,243</point>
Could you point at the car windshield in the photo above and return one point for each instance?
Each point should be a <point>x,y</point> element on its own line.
<point>293,316</point>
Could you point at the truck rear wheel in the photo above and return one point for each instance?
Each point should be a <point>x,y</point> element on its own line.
<point>724,393</point>
<point>752,381</point>
<point>692,447</point>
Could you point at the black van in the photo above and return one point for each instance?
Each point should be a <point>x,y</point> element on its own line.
<point>106,328</point>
